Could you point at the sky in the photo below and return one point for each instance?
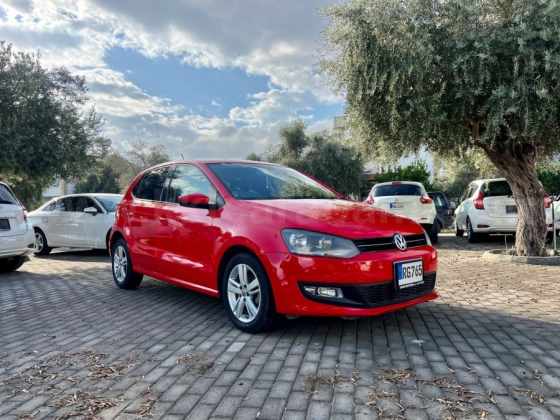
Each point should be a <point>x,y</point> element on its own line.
<point>205,78</point>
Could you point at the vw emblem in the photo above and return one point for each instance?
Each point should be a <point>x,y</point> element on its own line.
<point>399,241</point>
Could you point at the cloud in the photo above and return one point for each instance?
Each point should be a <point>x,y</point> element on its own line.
<point>263,37</point>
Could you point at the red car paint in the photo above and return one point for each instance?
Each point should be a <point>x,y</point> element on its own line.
<point>185,246</point>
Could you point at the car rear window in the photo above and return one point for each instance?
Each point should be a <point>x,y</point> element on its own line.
<point>496,189</point>
<point>439,200</point>
<point>6,196</point>
<point>396,189</point>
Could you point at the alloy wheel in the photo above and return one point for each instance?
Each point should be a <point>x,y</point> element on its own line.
<point>120,263</point>
<point>244,293</point>
<point>38,242</point>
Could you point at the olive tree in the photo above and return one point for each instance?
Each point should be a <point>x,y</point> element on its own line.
<point>451,76</point>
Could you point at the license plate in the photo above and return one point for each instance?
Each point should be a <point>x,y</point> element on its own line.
<point>4,224</point>
<point>396,206</point>
<point>409,273</point>
<point>511,209</point>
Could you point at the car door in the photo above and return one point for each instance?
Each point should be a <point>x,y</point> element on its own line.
<point>186,236</point>
<point>462,211</point>
<point>85,229</point>
<point>56,221</point>
<point>142,213</point>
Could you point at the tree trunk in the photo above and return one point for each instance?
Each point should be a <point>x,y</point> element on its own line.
<point>517,163</point>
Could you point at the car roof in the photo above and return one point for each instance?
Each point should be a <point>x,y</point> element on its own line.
<point>480,181</point>
<point>206,161</point>
<point>418,184</point>
<point>88,195</point>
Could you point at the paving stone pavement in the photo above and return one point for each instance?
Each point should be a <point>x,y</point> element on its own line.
<point>73,345</point>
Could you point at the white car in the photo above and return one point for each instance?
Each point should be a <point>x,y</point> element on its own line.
<point>74,221</point>
<point>487,206</point>
<point>407,199</point>
<point>16,236</point>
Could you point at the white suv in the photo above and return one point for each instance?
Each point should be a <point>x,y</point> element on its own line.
<point>408,199</point>
<point>16,237</point>
<point>487,206</point>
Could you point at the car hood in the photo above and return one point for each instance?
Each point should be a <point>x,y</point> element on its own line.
<point>337,217</point>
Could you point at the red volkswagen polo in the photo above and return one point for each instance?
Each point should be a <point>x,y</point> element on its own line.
<point>268,240</point>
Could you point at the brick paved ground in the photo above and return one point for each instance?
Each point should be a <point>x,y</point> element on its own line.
<point>72,343</point>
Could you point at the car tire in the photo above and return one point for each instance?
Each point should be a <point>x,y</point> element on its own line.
<point>247,294</point>
<point>11,264</point>
<point>458,232</point>
<point>472,236</point>
<point>123,273</point>
<point>433,233</point>
<point>41,245</point>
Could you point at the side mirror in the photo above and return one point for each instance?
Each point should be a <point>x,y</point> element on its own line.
<point>195,200</point>
<point>452,205</point>
<point>90,210</point>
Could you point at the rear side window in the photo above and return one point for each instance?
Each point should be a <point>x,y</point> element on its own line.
<point>396,189</point>
<point>150,186</point>
<point>6,196</point>
<point>496,189</point>
<point>63,204</point>
<point>188,179</point>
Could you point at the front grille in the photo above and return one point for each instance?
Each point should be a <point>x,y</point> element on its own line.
<point>386,294</point>
<point>387,244</point>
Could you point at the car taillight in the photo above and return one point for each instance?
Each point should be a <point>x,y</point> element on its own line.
<point>450,212</point>
<point>547,201</point>
<point>478,202</point>
<point>24,213</point>
<point>396,182</point>
<point>425,199</point>
<point>369,200</point>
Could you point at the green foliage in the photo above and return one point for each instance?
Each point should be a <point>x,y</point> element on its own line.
<point>106,181</point>
<point>44,133</point>
<point>253,156</point>
<point>116,171</point>
<point>417,171</point>
<point>321,155</point>
<point>446,74</point>
<point>549,175</point>
<point>461,172</point>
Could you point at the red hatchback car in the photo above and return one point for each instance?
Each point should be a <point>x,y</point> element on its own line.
<point>268,240</point>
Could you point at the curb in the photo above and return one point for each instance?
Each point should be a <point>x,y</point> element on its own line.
<point>497,255</point>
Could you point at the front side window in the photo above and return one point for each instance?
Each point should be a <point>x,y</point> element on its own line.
<point>246,181</point>
<point>188,179</point>
<point>396,189</point>
<point>81,203</point>
<point>6,196</point>
<point>110,202</point>
<point>151,185</point>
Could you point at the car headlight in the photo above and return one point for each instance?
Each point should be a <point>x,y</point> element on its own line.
<point>428,241</point>
<point>304,242</point>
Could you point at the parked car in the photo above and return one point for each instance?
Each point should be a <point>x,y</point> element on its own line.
<point>408,199</point>
<point>268,240</point>
<point>487,206</point>
<point>74,221</point>
<point>16,237</point>
<point>445,209</point>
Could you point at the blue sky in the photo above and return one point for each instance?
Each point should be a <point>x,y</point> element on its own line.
<point>206,79</point>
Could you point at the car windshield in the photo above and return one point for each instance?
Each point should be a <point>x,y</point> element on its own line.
<point>438,199</point>
<point>6,196</point>
<point>496,189</point>
<point>396,189</point>
<point>109,202</point>
<point>248,181</point>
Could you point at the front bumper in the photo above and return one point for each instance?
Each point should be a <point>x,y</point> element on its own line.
<point>366,281</point>
<point>17,246</point>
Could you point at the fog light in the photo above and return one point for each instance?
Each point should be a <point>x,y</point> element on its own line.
<point>310,289</point>
<point>482,226</point>
<point>331,292</point>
